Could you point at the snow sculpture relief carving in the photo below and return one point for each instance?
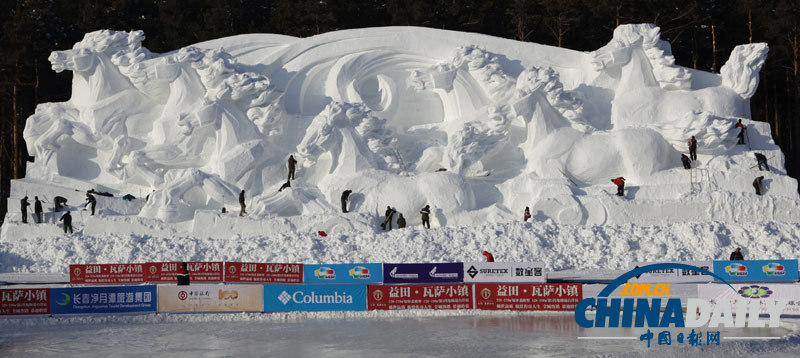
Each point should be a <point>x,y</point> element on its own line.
<point>380,111</point>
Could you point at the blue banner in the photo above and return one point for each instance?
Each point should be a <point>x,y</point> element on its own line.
<point>757,270</point>
<point>119,299</point>
<point>284,298</point>
<point>423,273</point>
<point>343,273</point>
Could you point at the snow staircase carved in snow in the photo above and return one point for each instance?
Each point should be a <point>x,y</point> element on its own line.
<point>697,176</point>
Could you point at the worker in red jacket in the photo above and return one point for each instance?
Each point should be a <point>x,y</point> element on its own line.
<point>741,132</point>
<point>693,148</point>
<point>489,257</point>
<point>620,183</point>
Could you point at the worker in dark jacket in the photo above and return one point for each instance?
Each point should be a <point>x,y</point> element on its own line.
<point>620,183</point>
<point>242,211</point>
<point>387,223</point>
<point>59,202</point>
<point>761,159</point>
<point>737,255</point>
<point>67,219</point>
<point>687,164</point>
<point>345,196</point>
<point>90,200</point>
<point>183,275</point>
<point>757,183</point>
<point>426,220</point>
<point>24,209</point>
<point>401,222</point>
<point>527,214</point>
<point>287,184</point>
<point>37,209</point>
<point>292,164</point>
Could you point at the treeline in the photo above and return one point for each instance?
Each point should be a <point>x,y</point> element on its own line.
<point>702,34</point>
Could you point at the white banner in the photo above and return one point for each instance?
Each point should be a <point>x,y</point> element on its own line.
<point>776,291</point>
<point>211,298</point>
<point>504,272</point>
<point>674,275</point>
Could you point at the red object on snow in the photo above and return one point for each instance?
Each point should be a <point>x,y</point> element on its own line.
<point>322,233</point>
<point>619,181</point>
<point>489,257</point>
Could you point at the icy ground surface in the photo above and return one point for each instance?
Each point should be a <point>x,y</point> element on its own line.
<point>455,334</point>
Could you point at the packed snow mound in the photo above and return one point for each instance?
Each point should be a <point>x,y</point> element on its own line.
<point>402,116</point>
<point>559,247</point>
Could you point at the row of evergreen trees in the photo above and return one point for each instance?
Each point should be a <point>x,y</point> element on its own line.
<point>701,32</point>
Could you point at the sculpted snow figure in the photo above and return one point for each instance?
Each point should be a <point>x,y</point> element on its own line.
<point>470,124</point>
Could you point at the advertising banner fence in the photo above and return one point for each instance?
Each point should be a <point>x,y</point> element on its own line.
<point>120,299</point>
<point>748,292</point>
<point>24,301</point>
<point>263,272</point>
<point>343,273</point>
<point>757,270</point>
<point>284,298</point>
<point>106,274</point>
<point>423,273</point>
<point>141,273</point>
<point>528,297</point>
<point>198,271</point>
<point>504,272</point>
<point>674,275</point>
<point>210,298</point>
<point>405,297</point>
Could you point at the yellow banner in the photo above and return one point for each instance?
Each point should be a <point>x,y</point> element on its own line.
<point>211,298</point>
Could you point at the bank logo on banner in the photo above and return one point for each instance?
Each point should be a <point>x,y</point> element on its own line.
<point>285,298</point>
<point>325,273</point>
<point>210,298</point>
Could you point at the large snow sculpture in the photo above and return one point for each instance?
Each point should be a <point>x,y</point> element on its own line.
<point>379,111</point>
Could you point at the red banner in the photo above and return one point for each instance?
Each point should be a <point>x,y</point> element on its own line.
<point>24,301</point>
<point>198,271</point>
<point>263,272</point>
<point>406,297</point>
<point>106,273</point>
<point>528,296</point>
<point>140,273</point>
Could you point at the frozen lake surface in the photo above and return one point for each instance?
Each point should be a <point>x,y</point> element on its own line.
<point>504,335</point>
